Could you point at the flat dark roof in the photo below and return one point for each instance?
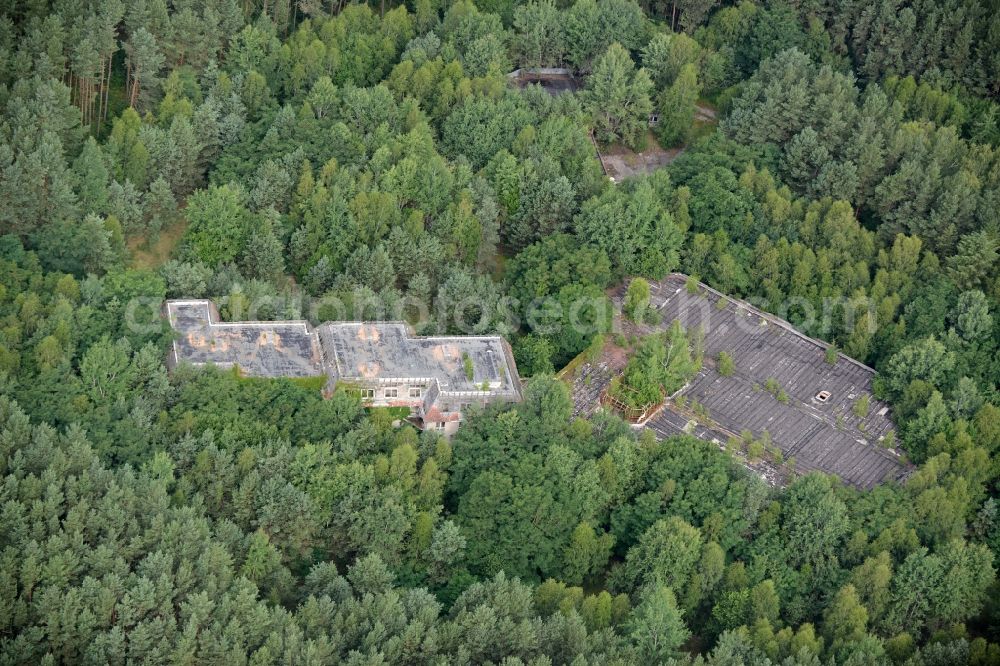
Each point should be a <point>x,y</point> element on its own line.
<point>258,348</point>
<point>820,434</point>
<point>375,351</point>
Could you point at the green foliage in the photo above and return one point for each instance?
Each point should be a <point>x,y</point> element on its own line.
<point>856,165</point>
<point>666,553</point>
<point>636,306</point>
<point>482,127</point>
<point>378,157</point>
<point>632,226</point>
<point>540,37</point>
<point>554,282</point>
<point>831,355</point>
<point>726,365</point>
<point>587,553</point>
<point>219,224</point>
<point>467,366</point>
<point>846,618</point>
<point>925,102</point>
<point>533,355</point>
<point>676,107</point>
<point>861,406</point>
<point>668,53</point>
<point>656,626</point>
<point>501,498</point>
<point>618,98</point>
<point>660,365</point>
<point>691,285</point>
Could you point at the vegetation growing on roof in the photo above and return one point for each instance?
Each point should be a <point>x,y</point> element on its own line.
<point>842,160</point>
<point>725,364</point>
<point>658,366</point>
<point>861,406</point>
<point>467,366</point>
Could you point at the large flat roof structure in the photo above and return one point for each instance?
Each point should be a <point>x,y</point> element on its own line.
<point>816,425</point>
<point>388,351</point>
<point>436,377</point>
<point>258,348</point>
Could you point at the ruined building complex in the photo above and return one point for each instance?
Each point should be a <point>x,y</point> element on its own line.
<point>437,378</point>
<point>819,412</point>
<point>813,405</point>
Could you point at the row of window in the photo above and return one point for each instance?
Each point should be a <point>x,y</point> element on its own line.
<point>414,392</point>
<point>391,392</point>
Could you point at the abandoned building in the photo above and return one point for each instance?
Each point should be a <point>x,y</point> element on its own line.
<point>436,378</point>
<point>553,80</point>
<point>820,415</point>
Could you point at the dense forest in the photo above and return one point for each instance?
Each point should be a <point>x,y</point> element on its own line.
<point>306,159</point>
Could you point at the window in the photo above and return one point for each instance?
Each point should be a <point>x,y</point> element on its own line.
<point>367,394</point>
<point>415,391</point>
<point>823,396</point>
<point>391,392</point>
<point>439,425</point>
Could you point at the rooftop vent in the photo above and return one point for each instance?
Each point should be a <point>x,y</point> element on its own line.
<point>823,396</point>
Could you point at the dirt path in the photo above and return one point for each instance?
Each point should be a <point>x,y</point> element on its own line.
<point>622,162</point>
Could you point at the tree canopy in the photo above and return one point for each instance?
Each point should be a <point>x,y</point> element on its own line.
<point>834,163</point>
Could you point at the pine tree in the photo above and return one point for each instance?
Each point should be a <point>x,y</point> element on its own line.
<point>91,178</point>
<point>125,203</point>
<point>656,626</point>
<point>128,155</point>
<point>617,96</point>
<point>677,107</point>
<point>539,41</point>
<point>263,256</point>
<point>587,553</point>
<point>665,55</point>
<point>159,206</point>
<point>37,188</point>
<point>143,63</point>
<point>692,13</point>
